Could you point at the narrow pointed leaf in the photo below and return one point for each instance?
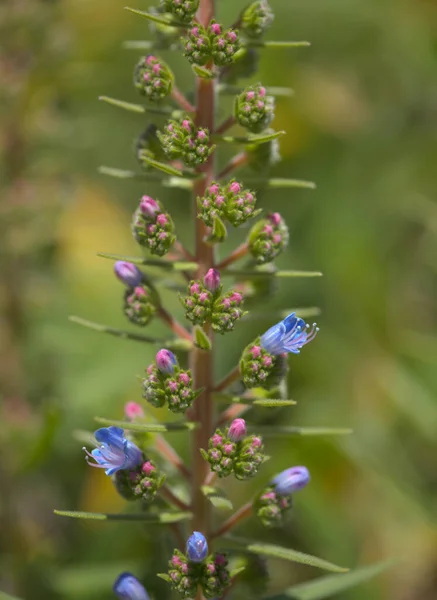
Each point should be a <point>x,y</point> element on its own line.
<point>276,431</point>
<point>127,335</point>
<point>294,556</point>
<point>150,427</point>
<point>177,182</point>
<point>165,577</point>
<point>217,497</point>
<point>137,108</point>
<point>201,340</point>
<point>218,233</point>
<point>277,44</point>
<point>127,174</point>
<point>152,262</point>
<point>251,139</point>
<point>236,571</point>
<point>325,587</point>
<point>139,45</point>
<point>280,182</point>
<point>270,272</point>
<point>202,72</point>
<point>165,168</point>
<point>164,517</point>
<point>272,402</point>
<point>155,18</point>
<point>299,274</point>
<point>234,90</point>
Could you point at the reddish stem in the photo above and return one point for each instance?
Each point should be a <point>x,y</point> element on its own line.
<point>174,325</point>
<point>211,478</point>
<point>183,102</point>
<point>173,499</point>
<point>225,125</point>
<point>228,380</point>
<point>239,160</point>
<point>169,453</point>
<point>179,247</point>
<point>241,514</point>
<point>238,253</point>
<point>232,412</point>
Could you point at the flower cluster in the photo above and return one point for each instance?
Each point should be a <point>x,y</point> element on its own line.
<point>206,303</point>
<point>254,110</point>
<point>273,503</point>
<point>264,362</point>
<point>230,202</point>
<point>256,19</point>
<point>212,44</point>
<point>188,571</point>
<point>141,483</point>
<point>181,139</point>
<point>183,10</point>
<point>232,451</point>
<point>140,302</point>
<point>152,227</point>
<point>153,78</point>
<point>268,238</point>
<point>167,383</point>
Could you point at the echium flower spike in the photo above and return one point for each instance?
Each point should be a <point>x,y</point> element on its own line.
<point>256,19</point>
<point>289,335</point>
<point>197,547</point>
<point>183,10</point>
<point>254,109</point>
<point>268,238</point>
<point>127,587</point>
<point>224,44</point>
<point>114,451</point>
<point>182,139</point>
<point>152,227</point>
<point>153,78</point>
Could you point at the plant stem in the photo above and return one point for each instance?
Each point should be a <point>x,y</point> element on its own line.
<point>238,253</point>
<point>180,99</point>
<point>242,513</point>
<point>228,380</point>
<point>239,160</point>
<point>173,499</point>
<point>225,125</point>
<point>174,325</point>
<point>232,412</point>
<point>168,452</point>
<point>202,362</point>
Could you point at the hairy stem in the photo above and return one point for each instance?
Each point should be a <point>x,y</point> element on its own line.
<point>241,514</point>
<point>238,253</point>
<point>174,325</point>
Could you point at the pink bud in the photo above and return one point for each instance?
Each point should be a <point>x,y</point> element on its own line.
<point>162,219</point>
<point>216,29</point>
<point>184,378</point>
<point>147,468</point>
<point>228,448</point>
<point>165,361</point>
<point>257,442</point>
<point>133,411</point>
<point>194,31</point>
<point>203,297</point>
<point>275,218</point>
<point>216,440</point>
<point>235,187</point>
<point>262,92</point>
<point>237,430</point>
<point>256,351</point>
<point>195,288</point>
<point>150,59</point>
<point>250,95</point>
<point>201,135</point>
<point>214,188</point>
<point>212,280</point>
<point>148,206</point>
<point>277,238</point>
<point>219,201</point>
<point>186,125</point>
<point>232,36</point>
<point>236,297</point>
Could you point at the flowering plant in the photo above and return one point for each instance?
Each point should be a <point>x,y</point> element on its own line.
<point>207,561</point>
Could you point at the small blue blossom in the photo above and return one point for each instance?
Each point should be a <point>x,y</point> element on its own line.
<point>288,335</point>
<point>291,480</point>
<point>114,451</point>
<point>197,547</point>
<point>127,587</point>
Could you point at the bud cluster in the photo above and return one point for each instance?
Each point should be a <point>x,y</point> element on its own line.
<point>259,368</point>
<point>206,303</point>
<point>188,571</point>
<point>140,302</point>
<point>268,238</point>
<point>153,78</point>
<point>141,483</point>
<point>183,10</point>
<point>167,383</point>
<point>152,227</point>
<point>256,19</point>
<point>181,139</point>
<point>254,110</point>
<point>233,452</point>
<point>212,44</point>
<point>149,146</point>
<point>230,202</point>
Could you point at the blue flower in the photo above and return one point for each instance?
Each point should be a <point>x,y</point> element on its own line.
<point>291,480</point>
<point>128,273</point>
<point>288,335</point>
<point>127,587</point>
<point>197,547</point>
<point>114,451</point>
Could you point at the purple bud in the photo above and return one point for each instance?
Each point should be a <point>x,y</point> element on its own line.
<point>127,587</point>
<point>128,273</point>
<point>197,547</point>
<point>212,280</point>
<point>149,207</point>
<point>291,480</point>
<point>133,411</point>
<point>237,430</point>
<point>166,361</point>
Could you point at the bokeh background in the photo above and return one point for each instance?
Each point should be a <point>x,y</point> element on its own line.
<point>362,124</point>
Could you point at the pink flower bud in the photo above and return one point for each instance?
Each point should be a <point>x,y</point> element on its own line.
<point>195,288</point>
<point>165,361</point>
<point>235,187</point>
<point>232,36</point>
<point>147,468</point>
<point>237,430</point>
<point>214,188</point>
<point>148,206</point>
<point>212,280</point>
<point>275,218</point>
<point>133,411</point>
<point>216,29</point>
<point>162,219</point>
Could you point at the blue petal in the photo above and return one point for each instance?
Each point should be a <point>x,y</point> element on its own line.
<point>133,455</point>
<point>127,587</point>
<point>197,547</point>
<point>290,321</point>
<point>271,340</point>
<point>113,436</point>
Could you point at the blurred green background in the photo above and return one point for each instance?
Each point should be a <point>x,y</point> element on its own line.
<point>362,124</point>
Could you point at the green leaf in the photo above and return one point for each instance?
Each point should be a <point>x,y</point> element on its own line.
<point>126,174</point>
<point>201,340</point>
<point>202,72</point>
<point>136,108</point>
<point>217,497</point>
<point>127,335</point>
<point>234,90</point>
<point>325,587</point>
<point>251,139</point>
<point>270,272</point>
<point>280,430</point>
<point>164,167</point>
<point>155,18</point>
<point>299,274</point>
<point>218,233</point>
<point>272,402</point>
<point>153,262</point>
<point>276,44</point>
<point>139,45</point>
<point>163,518</point>
<point>293,556</point>
<point>279,182</point>
<point>165,577</point>
<point>236,571</point>
<point>149,427</point>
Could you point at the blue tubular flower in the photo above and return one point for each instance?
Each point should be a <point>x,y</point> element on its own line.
<point>288,335</point>
<point>127,587</point>
<point>197,547</point>
<point>291,480</point>
<point>114,452</point>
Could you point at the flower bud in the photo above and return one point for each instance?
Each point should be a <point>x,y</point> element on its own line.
<point>139,305</point>
<point>256,19</point>
<point>171,387</point>
<point>217,578</point>
<point>197,547</point>
<point>153,228</point>
<point>226,311</point>
<point>183,10</point>
<point>166,361</point>
<point>237,430</point>
<point>224,44</point>
<point>127,587</point>
<point>212,280</point>
<point>291,480</point>
<point>259,368</point>
<point>268,238</point>
<point>153,78</point>
<point>198,303</point>
<point>133,410</point>
<point>149,207</point>
<point>240,203</point>
<point>254,110</point>
<point>271,508</point>
<point>128,273</point>
<point>197,45</point>
<point>181,139</point>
